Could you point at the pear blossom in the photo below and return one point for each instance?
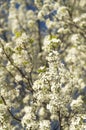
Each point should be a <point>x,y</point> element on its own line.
<point>42,65</point>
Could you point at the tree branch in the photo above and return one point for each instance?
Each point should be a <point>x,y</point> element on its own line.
<point>19,70</point>
<point>12,115</point>
<point>39,36</point>
<point>60,120</point>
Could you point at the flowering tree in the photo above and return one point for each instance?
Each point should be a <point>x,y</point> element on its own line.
<point>42,65</point>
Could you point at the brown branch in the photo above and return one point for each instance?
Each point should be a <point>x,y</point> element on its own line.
<point>19,70</point>
<point>14,117</point>
<point>39,36</point>
<point>60,120</point>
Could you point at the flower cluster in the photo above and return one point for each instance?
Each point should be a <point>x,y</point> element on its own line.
<point>42,65</point>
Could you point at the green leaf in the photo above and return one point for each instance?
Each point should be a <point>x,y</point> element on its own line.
<point>18,33</point>
<point>52,36</point>
<point>42,70</point>
<point>1,102</point>
<point>31,40</point>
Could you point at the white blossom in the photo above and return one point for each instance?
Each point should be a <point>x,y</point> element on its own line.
<point>77,103</point>
<point>42,65</point>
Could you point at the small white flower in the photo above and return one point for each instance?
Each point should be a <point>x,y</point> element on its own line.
<point>18,77</point>
<point>42,112</point>
<point>27,98</point>
<point>50,24</point>
<point>77,103</point>
<point>74,38</point>
<point>62,12</point>
<point>1,50</point>
<point>44,125</point>
<point>31,23</point>
<point>77,19</point>
<point>41,15</point>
